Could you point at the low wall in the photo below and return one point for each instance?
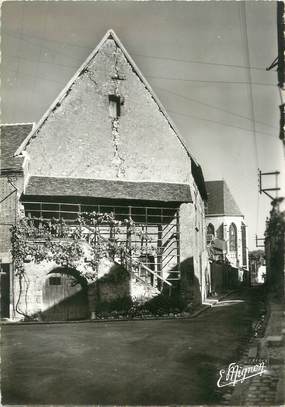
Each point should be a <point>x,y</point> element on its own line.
<point>223,277</point>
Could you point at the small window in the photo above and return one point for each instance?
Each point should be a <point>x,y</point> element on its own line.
<point>54,281</point>
<point>114,106</point>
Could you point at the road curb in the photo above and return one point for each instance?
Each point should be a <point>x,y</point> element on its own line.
<point>18,323</point>
<point>205,308</point>
<point>228,294</point>
<point>194,315</point>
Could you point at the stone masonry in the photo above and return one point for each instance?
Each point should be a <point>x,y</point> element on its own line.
<point>78,138</point>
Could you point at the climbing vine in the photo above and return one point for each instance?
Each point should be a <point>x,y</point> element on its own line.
<point>80,245</point>
<point>275,229</point>
<point>274,244</point>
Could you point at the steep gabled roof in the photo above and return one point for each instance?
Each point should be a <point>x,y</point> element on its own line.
<point>220,200</point>
<point>109,35</point>
<point>12,135</point>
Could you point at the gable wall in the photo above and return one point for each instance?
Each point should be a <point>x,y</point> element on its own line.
<point>79,140</point>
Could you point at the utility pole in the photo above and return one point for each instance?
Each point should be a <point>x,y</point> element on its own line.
<point>257,239</point>
<point>265,190</point>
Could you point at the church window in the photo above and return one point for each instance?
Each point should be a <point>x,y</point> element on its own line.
<point>243,241</point>
<point>233,238</point>
<point>210,233</point>
<point>220,231</point>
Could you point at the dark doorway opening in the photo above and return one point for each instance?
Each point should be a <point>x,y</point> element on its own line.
<point>5,290</point>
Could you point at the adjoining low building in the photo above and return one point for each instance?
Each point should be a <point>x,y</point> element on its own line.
<point>105,170</point>
<point>11,182</point>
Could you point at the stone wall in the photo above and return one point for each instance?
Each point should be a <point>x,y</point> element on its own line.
<point>80,139</point>
<point>113,288</point>
<point>195,272</point>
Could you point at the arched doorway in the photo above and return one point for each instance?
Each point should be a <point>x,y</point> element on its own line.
<point>65,295</point>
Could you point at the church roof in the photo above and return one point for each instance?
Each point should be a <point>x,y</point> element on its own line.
<point>220,200</point>
<point>12,135</point>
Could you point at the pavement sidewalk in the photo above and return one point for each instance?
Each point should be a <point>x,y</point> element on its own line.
<point>267,389</point>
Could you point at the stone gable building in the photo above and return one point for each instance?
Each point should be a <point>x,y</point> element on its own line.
<point>226,222</point>
<point>106,145</point>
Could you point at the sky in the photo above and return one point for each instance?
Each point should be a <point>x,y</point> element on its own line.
<point>206,61</point>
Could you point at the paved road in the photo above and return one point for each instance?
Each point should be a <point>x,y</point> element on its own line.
<point>139,362</point>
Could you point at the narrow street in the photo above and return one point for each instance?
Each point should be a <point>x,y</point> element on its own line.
<point>136,362</point>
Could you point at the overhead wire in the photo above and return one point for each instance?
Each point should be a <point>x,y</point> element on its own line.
<point>213,107</point>
<point>218,122</point>
<point>179,113</point>
<point>42,62</point>
<point>159,88</point>
<point>149,76</point>
<point>187,61</point>
<point>40,45</point>
<point>244,38</point>
<point>209,81</point>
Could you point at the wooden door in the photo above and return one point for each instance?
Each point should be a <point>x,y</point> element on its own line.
<point>64,298</point>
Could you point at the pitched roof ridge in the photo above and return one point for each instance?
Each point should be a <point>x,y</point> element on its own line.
<point>109,34</point>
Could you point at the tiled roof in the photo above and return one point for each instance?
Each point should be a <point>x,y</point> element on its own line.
<point>220,199</point>
<point>148,191</point>
<point>12,135</point>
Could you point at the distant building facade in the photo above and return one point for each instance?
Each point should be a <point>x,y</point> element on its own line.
<point>106,145</point>
<point>225,222</point>
<point>257,266</point>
